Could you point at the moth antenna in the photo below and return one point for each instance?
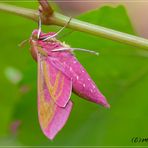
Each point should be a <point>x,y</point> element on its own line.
<point>23,43</point>
<point>86,50</point>
<point>73,49</point>
<point>39,27</point>
<point>52,36</point>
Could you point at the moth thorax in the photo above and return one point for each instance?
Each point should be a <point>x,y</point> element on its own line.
<point>51,40</point>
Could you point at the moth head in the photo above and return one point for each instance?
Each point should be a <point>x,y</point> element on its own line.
<point>34,35</point>
<point>38,42</point>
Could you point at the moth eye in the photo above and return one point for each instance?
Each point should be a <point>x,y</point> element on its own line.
<point>34,37</point>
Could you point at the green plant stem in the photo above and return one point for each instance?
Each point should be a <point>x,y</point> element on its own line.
<point>75,24</point>
<point>25,12</point>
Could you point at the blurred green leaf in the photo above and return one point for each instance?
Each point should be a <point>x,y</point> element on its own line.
<point>120,71</point>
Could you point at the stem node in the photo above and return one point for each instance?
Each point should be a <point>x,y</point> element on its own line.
<point>45,11</point>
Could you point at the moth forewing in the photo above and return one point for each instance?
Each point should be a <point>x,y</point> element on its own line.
<point>51,116</point>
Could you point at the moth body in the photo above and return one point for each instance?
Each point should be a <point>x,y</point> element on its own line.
<point>59,72</point>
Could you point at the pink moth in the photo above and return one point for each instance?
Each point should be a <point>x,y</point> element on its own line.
<point>59,73</point>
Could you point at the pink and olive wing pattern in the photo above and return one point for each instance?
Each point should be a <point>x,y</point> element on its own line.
<point>54,105</point>
<point>82,83</point>
<point>58,84</point>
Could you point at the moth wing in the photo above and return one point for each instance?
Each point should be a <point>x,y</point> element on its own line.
<point>58,84</point>
<point>52,117</point>
<point>82,84</point>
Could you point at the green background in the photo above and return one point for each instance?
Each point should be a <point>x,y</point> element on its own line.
<point>120,72</point>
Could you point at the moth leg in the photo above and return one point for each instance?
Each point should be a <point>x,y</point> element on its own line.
<point>73,49</point>
<point>52,36</point>
<point>39,27</point>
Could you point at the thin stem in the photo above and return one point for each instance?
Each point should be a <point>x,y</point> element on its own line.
<point>61,20</point>
<point>25,12</point>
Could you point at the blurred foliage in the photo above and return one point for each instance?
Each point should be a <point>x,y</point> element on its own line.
<point>120,71</point>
